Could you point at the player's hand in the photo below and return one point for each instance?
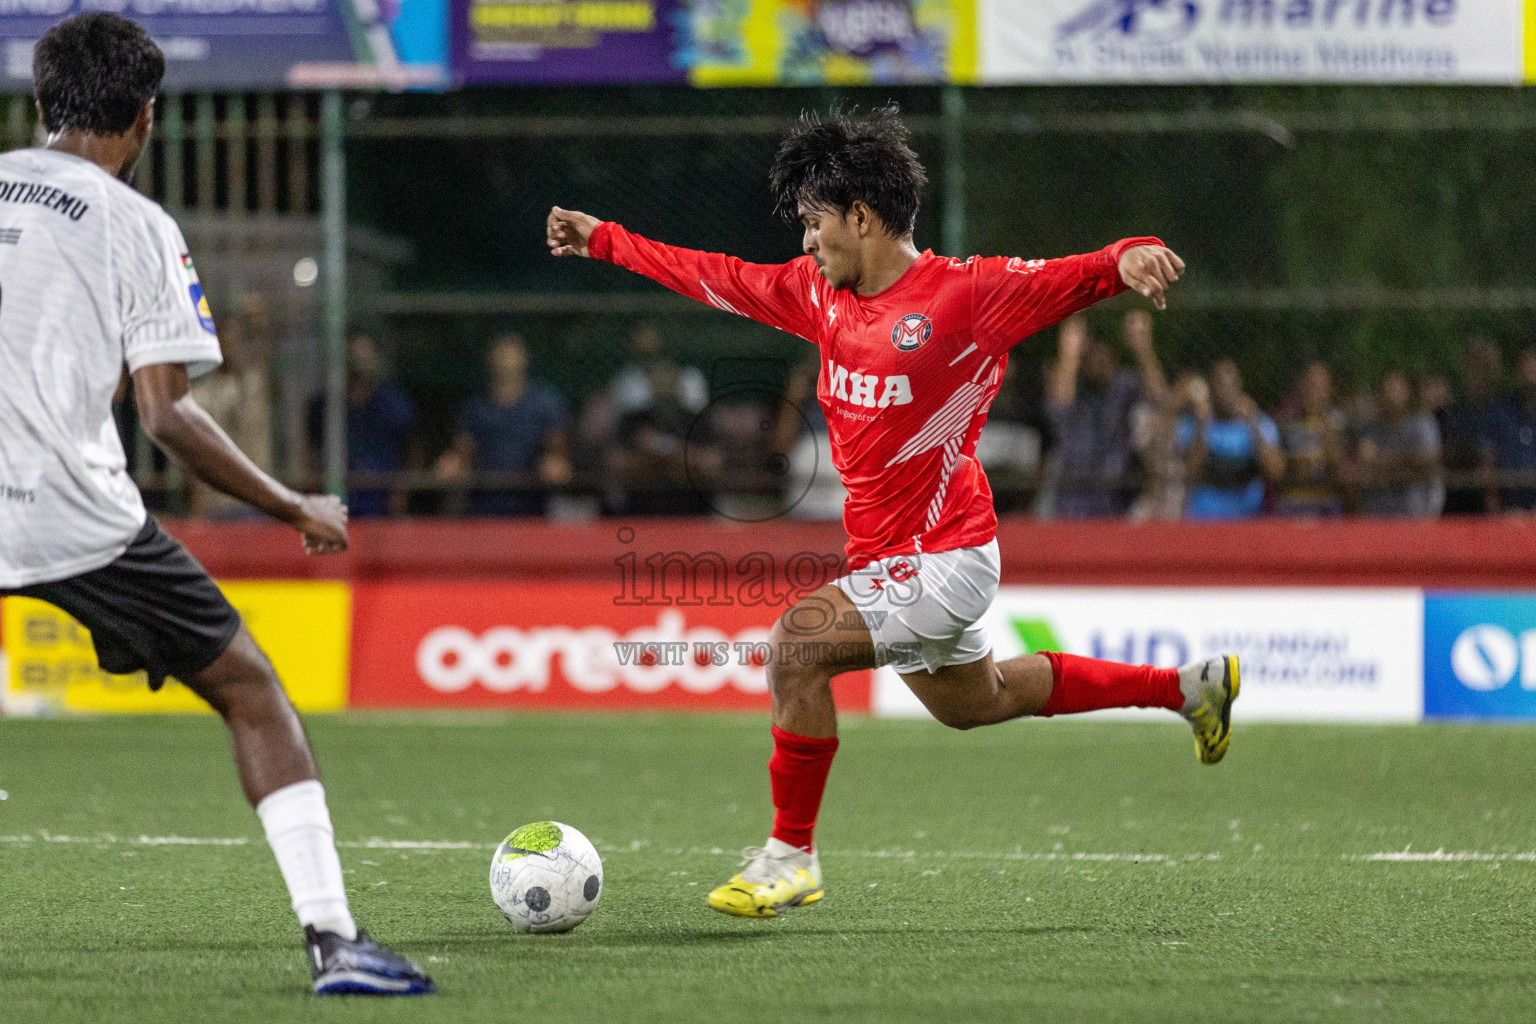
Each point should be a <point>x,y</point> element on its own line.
<point>1138,331</point>
<point>1151,271</point>
<point>569,231</point>
<point>1071,339</point>
<point>322,519</point>
<point>1199,398</point>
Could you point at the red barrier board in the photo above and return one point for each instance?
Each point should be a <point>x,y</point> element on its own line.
<point>1445,554</point>
<point>466,644</point>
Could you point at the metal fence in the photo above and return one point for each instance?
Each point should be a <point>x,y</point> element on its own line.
<point>1371,228</point>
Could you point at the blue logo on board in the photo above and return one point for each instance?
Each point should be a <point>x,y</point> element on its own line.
<point>1480,655</point>
<point>1144,21</point>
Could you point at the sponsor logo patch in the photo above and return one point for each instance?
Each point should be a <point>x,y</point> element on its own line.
<point>200,303</point>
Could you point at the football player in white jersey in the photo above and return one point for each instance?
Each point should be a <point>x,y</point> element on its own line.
<point>95,277</point>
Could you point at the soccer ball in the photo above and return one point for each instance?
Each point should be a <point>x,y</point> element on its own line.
<point>546,877</point>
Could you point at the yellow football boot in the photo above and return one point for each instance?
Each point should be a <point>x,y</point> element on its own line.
<point>1209,688</point>
<point>773,878</point>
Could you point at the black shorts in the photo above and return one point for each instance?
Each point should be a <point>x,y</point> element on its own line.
<point>155,608</point>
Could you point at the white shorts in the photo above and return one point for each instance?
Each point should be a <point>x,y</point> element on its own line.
<point>924,611</point>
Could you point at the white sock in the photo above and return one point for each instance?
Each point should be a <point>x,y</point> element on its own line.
<point>298,828</point>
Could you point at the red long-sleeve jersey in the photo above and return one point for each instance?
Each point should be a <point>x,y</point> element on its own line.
<point>906,376</point>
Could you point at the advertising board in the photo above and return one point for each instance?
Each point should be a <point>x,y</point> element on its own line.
<point>1338,655</point>
<point>1251,40</point>
<point>567,41</point>
<point>259,44</point>
<point>303,626</point>
<point>559,645</point>
<point>1480,655</point>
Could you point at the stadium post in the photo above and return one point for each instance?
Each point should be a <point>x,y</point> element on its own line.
<point>333,225</point>
<point>954,171</point>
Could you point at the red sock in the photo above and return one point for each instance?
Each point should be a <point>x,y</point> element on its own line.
<point>798,770</point>
<point>1087,684</point>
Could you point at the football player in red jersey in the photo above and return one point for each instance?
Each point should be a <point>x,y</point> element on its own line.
<point>913,347</point>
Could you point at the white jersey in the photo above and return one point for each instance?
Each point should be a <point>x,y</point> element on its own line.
<point>93,277</point>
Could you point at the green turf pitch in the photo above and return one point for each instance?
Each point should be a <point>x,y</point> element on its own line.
<point>1048,871</point>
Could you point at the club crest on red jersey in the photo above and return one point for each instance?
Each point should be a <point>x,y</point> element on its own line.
<point>911,331</point>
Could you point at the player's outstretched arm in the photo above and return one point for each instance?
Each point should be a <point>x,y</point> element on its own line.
<point>174,420</point>
<point>780,295</point>
<point>1014,298</point>
<point>1151,270</point>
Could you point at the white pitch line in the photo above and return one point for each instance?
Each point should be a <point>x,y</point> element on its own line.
<point>107,839</point>
<point>1407,856</point>
<point>1135,858</point>
<point>1437,856</point>
<point>414,844</point>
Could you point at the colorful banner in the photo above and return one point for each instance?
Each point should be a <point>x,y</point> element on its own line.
<point>261,44</point>
<point>1308,655</point>
<point>552,41</point>
<point>1480,655</point>
<point>714,42</point>
<point>1345,655</point>
<point>830,42</point>
<point>304,628</point>
<point>560,645</point>
<point>1471,41</point>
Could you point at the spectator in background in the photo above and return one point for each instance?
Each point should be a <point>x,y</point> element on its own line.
<point>1359,407</point>
<point>1434,394</point>
<point>1434,401</point>
<point>519,426</point>
<point>1314,446</point>
<point>1157,443</point>
<point>1464,425</point>
<point>1399,456</point>
<point>652,377</point>
<point>1231,449</point>
<point>1509,440</point>
<point>381,431</point>
<point>238,397</point>
<point>1091,400</point>
<point>665,459</point>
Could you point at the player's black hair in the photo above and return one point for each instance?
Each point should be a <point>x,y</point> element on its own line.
<point>833,162</point>
<point>94,72</point>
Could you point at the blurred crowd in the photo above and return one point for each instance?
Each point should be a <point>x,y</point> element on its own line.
<point>1125,441</point>
<point>1102,430</point>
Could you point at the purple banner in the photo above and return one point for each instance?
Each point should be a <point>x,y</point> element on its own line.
<point>547,42</point>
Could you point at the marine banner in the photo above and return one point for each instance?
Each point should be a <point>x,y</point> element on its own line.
<point>1446,41</point>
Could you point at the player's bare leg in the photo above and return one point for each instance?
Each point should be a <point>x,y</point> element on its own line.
<point>270,748</point>
<point>968,696</point>
<point>985,692</point>
<point>820,637</point>
<point>277,773</point>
